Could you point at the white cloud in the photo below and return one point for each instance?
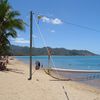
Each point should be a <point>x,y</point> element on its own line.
<point>52,31</point>
<point>55,21</point>
<point>46,19</point>
<point>21,40</point>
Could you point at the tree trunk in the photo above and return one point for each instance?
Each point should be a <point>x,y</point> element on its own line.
<point>2,64</point>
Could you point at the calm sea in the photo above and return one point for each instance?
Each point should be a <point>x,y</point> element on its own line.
<point>67,62</point>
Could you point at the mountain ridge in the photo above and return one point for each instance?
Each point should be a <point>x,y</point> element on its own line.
<point>24,51</point>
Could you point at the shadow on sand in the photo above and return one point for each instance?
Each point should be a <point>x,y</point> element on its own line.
<point>13,70</point>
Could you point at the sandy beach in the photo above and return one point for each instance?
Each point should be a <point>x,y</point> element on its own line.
<point>14,85</point>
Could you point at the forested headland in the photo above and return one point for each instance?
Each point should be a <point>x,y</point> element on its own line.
<point>24,51</point>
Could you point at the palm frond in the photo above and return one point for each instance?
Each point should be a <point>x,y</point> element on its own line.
<point>9,23</point>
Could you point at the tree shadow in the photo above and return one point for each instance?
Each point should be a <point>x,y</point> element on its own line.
<point>14,70</point>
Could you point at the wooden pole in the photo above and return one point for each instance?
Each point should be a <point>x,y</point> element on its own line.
<point>49,55</point>
<point>31,32</point>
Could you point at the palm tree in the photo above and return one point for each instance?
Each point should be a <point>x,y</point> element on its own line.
<point>9,22</point>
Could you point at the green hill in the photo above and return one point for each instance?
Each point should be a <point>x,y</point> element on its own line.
<point>24,51</point>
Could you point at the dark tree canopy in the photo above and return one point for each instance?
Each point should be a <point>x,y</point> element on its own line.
<point>9,23</point>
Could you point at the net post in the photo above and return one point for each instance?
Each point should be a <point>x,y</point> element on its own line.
<point>31,32</point>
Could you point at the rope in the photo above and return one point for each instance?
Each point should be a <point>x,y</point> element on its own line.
<point>70,23</point>
<point>54,68</point>
<point>56,77</point>
<point>44,42</point>
<point>50,56</point>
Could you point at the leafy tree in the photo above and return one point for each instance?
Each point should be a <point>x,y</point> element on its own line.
<point>9,23</point>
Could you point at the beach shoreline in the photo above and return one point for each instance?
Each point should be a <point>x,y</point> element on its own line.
<point>14,85</point>
<point>78,82</point>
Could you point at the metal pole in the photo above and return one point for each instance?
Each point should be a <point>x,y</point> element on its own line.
<point>31,31</point>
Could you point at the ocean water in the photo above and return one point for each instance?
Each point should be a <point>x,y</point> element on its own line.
<point>71,62</point>
<point>67,62</point>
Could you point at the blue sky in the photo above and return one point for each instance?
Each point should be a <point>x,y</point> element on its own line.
<point>57,33</point>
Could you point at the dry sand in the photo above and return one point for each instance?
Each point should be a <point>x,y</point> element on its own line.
<point>15,86</point>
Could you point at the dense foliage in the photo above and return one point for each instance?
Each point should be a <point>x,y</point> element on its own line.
<point>9,22</point>
<point>24,51</point>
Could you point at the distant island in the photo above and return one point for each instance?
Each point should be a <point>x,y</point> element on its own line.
<point>24,51</point>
